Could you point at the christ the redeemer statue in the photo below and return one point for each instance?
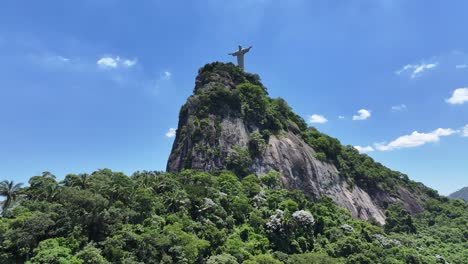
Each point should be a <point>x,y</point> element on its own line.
<point>240,55</point>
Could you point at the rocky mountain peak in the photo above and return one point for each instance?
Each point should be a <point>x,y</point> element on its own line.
<point>231,123</point>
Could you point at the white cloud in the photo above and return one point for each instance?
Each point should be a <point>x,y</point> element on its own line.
<point>341,117</point>
<point>416,69</point>
<point>461,66</point>
<point>364,149</point>
<point>171,133</point>
<point>61,58</point>
<point>317,119</point>
<point>167,75</point>
<point>129,63</point>
<point>363,114</point>
<point>415,139</point>
<point>51,60</point>
<point>109,62</point>
<point>459,96</point>
<point>397,108</point>
<point>464,131</point>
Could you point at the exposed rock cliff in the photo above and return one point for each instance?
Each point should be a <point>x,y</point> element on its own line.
<point>231,123</point>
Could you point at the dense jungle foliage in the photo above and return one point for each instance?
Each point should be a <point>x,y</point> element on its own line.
<point>196,217</point>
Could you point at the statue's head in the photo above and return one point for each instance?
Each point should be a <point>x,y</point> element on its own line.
<point>240,47</point>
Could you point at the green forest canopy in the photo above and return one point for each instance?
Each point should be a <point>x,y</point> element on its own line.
<point>197,217</point>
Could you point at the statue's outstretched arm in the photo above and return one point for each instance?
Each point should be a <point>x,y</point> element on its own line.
<point>244,51</point>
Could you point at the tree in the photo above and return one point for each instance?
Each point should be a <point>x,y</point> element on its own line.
<point>251,185</point>
<point>9,190</point>
<point>348,246</point>
<point>399,220</point>
<point>239,160</point>
<point>25,232</point>
<point>48,175</point>
<point>311,258</point>
<point>240,208</point>
<point>50,251</point>
<point>272,179</point>
<point>184,247</point>
<point>222,259</point>
<point>82,180</point>
<point>176,200</point>
<point>262,259</point>
<point>88,210</point>
<point>42,187</point>
<point>91,255</point>
<point>257,143</point>
<point>253,102</point>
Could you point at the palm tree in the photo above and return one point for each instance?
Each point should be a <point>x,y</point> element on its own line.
<point>48,174</point>
<point>84,180</point>
<point>10,191</point>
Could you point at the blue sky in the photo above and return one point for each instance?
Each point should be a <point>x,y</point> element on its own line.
<point>98,83</point>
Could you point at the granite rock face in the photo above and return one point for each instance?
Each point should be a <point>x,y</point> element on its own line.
<point>206,144</point>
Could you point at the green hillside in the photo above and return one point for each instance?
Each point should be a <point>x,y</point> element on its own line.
<point>197,217</point>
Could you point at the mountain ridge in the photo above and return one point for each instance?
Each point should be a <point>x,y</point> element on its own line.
<point>460,194</point>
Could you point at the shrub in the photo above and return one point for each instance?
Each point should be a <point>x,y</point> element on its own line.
<point>239,161</point>
<point>257,144</point>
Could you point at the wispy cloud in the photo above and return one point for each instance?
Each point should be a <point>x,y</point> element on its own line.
<point>464,131</point>
<point>399,108</point>
<point>365,149</point>
<point>341,117</point>
<point>49,60</point>
<point>319,119</point>
<point>362,114</point>
<point>113,63</point>
<point>171,133</point>
<point>461,66</point>
<point>167,75</point>
<point>163,80</point>
<point>416,69</point>
<point>58,58</point>
<point>459,96</point>
<point>129,63</point>
<point>415,139</point>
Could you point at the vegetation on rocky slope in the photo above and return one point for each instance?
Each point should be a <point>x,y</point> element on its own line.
<point>197,217</point>
<point>223,90</point>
